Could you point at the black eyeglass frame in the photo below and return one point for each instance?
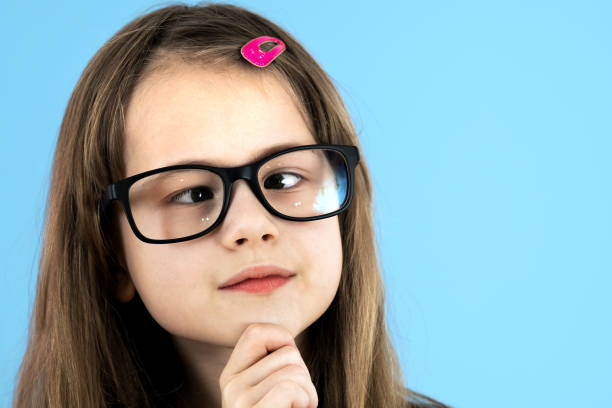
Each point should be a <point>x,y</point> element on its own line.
<point>120,189</point>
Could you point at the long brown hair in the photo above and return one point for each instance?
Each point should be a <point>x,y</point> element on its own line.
<point>85,348</point>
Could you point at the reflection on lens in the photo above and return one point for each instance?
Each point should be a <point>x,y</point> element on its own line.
<point>176,204</point>
<point>305,183</point>
<point>327,198</point>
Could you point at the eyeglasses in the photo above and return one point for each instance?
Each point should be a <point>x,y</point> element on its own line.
<point>182,202</point>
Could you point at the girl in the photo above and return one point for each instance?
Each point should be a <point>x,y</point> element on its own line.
<point>208,237</point>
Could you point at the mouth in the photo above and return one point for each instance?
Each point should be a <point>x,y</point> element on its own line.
<point>258,278</point>
<point>260,285</point>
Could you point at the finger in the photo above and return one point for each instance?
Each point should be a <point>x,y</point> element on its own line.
<point>284,356</point>
<point>285,394</point>
<point>257,340</point>
<point>291,373</point>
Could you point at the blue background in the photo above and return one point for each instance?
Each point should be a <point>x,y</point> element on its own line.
<point>487,128</point>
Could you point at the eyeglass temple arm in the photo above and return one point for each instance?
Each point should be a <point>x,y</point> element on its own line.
<point>109,195</point>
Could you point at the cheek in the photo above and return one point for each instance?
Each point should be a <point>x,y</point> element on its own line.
<point>320,244</point>
<point>329,246</point>
<point>162,275</point>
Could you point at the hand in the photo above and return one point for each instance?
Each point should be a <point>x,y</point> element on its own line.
<point>252,378</point>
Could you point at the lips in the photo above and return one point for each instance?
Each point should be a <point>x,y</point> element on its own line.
<point>256,272</point>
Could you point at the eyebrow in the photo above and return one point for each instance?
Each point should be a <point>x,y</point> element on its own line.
<point>259,155</point>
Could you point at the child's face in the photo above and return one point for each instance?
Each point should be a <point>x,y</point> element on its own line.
<point>224,119</point>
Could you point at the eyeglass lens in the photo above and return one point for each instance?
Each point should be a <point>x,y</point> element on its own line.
<point>179,203</point>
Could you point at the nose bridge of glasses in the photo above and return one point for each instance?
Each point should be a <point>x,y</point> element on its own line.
<point>247,173</point>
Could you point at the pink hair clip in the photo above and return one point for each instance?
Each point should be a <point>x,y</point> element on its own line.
<point>253,53</point>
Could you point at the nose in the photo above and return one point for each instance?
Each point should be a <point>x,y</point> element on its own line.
<point>247,222</point>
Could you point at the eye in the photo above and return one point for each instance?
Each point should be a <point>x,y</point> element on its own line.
<point>282,180</point>
<point>194,195</point>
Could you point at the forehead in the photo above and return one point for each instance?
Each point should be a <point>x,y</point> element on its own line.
<point>217,117</point>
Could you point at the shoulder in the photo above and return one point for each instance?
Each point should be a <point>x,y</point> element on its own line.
<point>416,400</point>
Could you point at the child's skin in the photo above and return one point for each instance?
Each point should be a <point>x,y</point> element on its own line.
<point>228,118</point>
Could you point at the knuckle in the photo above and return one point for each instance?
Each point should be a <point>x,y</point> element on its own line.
<point>221,381</point>
<point>241,400</point>
<point>229,387</point>
<point>293,369</point>
<point>224,379</point>
<point>294,391</point>
<point>254,331</point>
<point>289,372</point>
<point>286,386</point>
<point>290,354</point>
<point>315,396</point>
